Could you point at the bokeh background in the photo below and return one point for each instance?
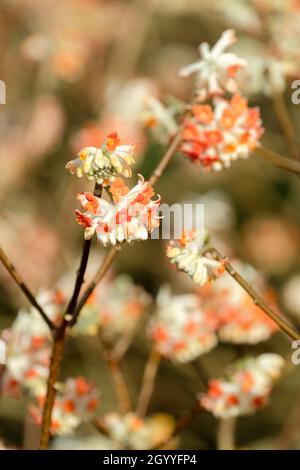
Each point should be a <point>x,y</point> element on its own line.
<point>76,70</point>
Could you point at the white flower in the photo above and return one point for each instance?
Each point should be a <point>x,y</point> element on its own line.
<point>180,329</point>
<point>104,164</point>
<point>217,69</point>
<point>188,253</point>
<point>246,387</point>
<point>160,119</point>
<point>131,216</point>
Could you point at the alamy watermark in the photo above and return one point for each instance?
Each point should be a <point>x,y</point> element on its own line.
<point>2,352</point>
<point>296,93</point>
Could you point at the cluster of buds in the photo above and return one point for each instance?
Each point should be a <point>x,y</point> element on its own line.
<point>74,404</point>
<point>239,320</point>
<point>29,346</point>
<point>191,254</point>
<point>246,388</point>
<point>116,308</point>
<point>103,164</point>
<point>132,214</point>
<point>224,130</point>
<point>180,329</point>
<point>132,432</point>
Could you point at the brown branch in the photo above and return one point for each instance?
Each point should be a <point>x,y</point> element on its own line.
<point>285,124</point>
<point>278,160</point>
<point>119,384</point>
<point>55,366</point>
<point>225,434</point>
<point>18,279</point>
<point>257,299</point>
<point>148,382</point>
<point>181,425</point>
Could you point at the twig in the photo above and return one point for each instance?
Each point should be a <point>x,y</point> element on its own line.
<point>148,382</point>
<point>285,124</point>
<point>278,160</point>
<point>225,434</point>
<point>16,276</point>
<point>181,424</point>
<point>257,299</point>
<point>119,384</point>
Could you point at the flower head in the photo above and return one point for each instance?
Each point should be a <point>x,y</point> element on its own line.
<point>131,216</point>
<point>180,329</point>
<point>75,403</point>
<point>246,387</point>
<point>216,70</point>
<point>105,163</point>
<point>214,136</point>
<point>190,254</point>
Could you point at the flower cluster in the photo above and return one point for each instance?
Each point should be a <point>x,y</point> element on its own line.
<point>132,214</point>
<point>191,254</point>
<point>217,134</point>
<point>75,403</point>
<point>239,320</point>
<point>105,163</point>
<point>115,308</point>
<point>29,346</point>
<point>216,71</point>
<point>130,431</point>
<point>180,329</point>
<point>246,388</point>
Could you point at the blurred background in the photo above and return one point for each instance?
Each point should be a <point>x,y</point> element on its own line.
<point>76,70</point>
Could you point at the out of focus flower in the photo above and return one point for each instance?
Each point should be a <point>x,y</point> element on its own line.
<point>136,433</point>
<point>181,330</point>
<point>216,70</point>
<point>116,308</point>
<point>272,243</point>
<point>75,403</point>
<point>105,163</point>
<point>214,136</point>
<point>131,216</point>
<point>191,254</point>
<point>246,387</point>
<point>29,346</point>
<point>291,295</point>
<point>239,320</point>
<point>160,119</point>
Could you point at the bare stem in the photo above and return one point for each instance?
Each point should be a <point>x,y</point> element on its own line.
<point>119,384</point>
<point>55,366</point>
<point>17,277</point>
<point>257,299</point>
<point>225,436</point>
<point>285,124</point>
<point>278,160</point>
<point>148,382</point>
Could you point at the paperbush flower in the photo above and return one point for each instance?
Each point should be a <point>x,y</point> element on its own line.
<point>105,163</point>
<point>239,320</point>
<point>216,135</point>
<point>180,329</point>
<point>189,254</point>
<point>216,70</point>
<point>133,432</point>
<point>116,308</point>
<point>246,387</point>
<point>131,216</point>
<point>75,403</point>
<point>29,346</point>
<point>160,119</point>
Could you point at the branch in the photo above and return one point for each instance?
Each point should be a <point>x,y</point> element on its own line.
<point>18,279</point>
<point>278,160</point>
<point>148,383</point>
<point>285,124</point>
<point>225,435</point>
<point>257,299</point>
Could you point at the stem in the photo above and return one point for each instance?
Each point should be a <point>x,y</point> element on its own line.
<point>171,150</point>
<point>278,160</point>
<point>55,366</point>
<point>16,276</point>
<point>285,124</point>
<point>119,384</point>
<point>257,299</point>
<point>225,436</point>
<point>181,424</point>
<point>148,383</point>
